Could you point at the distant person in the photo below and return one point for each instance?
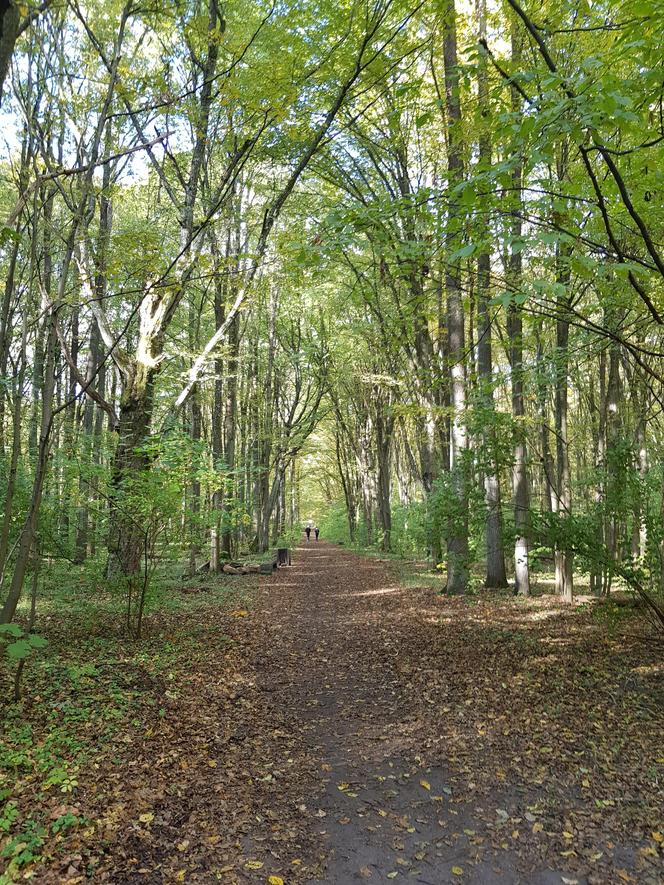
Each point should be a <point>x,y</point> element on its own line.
<point>307,532</point>
<point>317,532</point>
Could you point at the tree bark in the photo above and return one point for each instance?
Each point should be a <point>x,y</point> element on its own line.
<point>496,575</point>
<point>515,333</point>
<point>457,543</point>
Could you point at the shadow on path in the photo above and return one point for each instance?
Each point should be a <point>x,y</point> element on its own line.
<point>340,632</point>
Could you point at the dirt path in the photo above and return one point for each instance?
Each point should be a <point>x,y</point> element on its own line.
<point>342,626</point>
<point>348,664</point>
<point>347,729</point>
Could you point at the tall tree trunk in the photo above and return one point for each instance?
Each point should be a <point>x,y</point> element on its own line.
<point>515,334</point>
<point>12,473</point>
<point>5,336</point>
<point>614,460</point>
<point>231,420</point>
<point>564,568</point>
<point>28,531</point>
<point>217,437</point>
<point>84,489</point>
<point>496,575</point>
<point>10,20</point>
<point>384,427</point>
<point>546,460</point>
<point>457,544</point>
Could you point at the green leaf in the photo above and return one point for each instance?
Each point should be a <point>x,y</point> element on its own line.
<point>423,119</point>
<point>11,630</point>
<point>464,252</point>
<point>8,235</point>
<point>37,641</point>
<point>19,649</point>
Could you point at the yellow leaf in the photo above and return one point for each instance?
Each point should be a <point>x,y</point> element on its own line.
<point>537,828</point>
<point>393,874</point>
<point>182,846</point>
<point>146,818</point>
<point>240,613</point>
<point>570,853</point>
<point>425,784</point>
<point>657,836</point>
<point>458,871</point>
<point>212,763</point>
<point>382,813</point>
<point>275,880</point>
<point>567,835</point>
<point>253,865</point>
<point>343,786</point>
<point>179,876</point>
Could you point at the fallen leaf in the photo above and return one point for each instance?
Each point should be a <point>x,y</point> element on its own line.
<point>425,784</point>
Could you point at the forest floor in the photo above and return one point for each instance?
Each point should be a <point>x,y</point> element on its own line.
<point>331,725</point>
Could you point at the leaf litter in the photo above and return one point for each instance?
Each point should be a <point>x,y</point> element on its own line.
<point>335,732</point>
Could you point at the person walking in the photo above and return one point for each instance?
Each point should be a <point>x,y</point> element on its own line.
<point>317,532</point>
<point>307,532</point>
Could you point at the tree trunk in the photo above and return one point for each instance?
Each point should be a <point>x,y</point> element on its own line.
<point>496,575</point>
<point>384,427</point>
<point>27,535</point>
<point>84,490</point>
<point>10,20</point>
<point>127,539</point>
<point>231,421</point>
<point>515,334</point>
<point>564,560</point>
<point>457,544</point>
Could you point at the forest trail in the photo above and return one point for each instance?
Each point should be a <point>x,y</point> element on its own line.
<point>343,643</point>
<point>342,728</point>
<point>343,628</point>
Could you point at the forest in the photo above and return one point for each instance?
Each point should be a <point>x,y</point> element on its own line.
<point>390,268</point>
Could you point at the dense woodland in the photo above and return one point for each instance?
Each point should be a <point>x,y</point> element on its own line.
<point>393,267</point>
<point>264,263</point>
